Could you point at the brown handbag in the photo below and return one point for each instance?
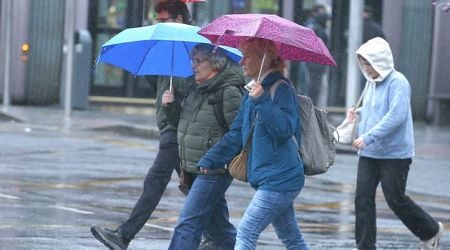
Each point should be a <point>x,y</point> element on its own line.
<point>238,166</point>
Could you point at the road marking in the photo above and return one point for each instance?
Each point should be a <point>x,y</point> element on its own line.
<point>9,197</point>
<point>169,229</point>
<point>75,210</point>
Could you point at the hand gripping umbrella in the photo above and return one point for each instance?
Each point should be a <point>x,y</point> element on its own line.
<point>293,41</point>
<point>160,49</point>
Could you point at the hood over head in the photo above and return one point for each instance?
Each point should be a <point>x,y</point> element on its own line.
<point>378,53</point>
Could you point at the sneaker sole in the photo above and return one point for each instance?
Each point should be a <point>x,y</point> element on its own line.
<point>100,237</point>
<point>439,234</point>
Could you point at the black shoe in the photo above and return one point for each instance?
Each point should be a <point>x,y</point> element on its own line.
<point>208,244</point>
<point>113,239</point>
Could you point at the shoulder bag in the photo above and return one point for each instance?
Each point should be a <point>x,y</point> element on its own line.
<point>238,166</point>
<point>346,132</point>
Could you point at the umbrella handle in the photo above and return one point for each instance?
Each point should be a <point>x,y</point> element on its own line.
<point>170,85</point>
<point>261,67</point>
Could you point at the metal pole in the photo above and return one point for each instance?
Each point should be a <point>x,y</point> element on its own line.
<point>69,34</point>
<point>354,41</point>
<point>6,26</point>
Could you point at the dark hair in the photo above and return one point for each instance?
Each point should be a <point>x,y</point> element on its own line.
<point>368,9</point>
<point>318,8</point>
<point>174,8</point>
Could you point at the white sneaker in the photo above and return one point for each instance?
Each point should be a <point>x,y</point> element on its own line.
<point>433,243</point>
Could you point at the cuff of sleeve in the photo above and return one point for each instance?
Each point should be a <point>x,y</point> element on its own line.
<point>204,163</point>
<point>263,98</point>
<point>367,139</point>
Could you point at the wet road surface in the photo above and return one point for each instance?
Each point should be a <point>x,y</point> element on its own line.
<point>55,184</point>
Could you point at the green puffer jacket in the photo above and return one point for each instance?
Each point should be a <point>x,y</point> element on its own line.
<point>181,87</point>
<point>198,128</point>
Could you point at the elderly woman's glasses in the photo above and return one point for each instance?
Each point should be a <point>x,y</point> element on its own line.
<point>197,61</point>
<point>164,20</point>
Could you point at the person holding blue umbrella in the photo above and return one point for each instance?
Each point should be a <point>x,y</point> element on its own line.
<point>167,159</point>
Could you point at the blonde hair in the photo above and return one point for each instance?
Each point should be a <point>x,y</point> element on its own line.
<point>260,46</point>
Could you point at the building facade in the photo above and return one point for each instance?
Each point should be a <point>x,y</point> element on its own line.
<point>415,29</point>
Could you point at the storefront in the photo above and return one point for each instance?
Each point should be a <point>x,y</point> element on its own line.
<point>109,17</point>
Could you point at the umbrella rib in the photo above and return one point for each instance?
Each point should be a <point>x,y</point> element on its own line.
<point>172,59</point>
<point>144,57</point>
<point>187,49</point>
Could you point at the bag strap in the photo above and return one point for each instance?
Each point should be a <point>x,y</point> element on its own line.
<point>275,85</point>
<point>248,141</point>
<point>361,96</point>
<point>272,94</point>
<point>218,106</point>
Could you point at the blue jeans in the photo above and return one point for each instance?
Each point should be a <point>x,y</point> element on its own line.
<point>270,207</point>
<point>205,210</point>
<point>155,183</point>
<point>393,175</point>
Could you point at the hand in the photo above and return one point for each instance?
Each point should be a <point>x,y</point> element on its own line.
<point>184,182</point>
<point>256,91</point>
<point>351,114</point>
<point>167,98</point>
<point>203,170</point>
<point>359,143</point>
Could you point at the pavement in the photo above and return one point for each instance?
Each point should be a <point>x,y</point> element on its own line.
<point>325,203</point>
<point>431,140</point>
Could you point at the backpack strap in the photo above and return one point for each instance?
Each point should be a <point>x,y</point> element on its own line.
<point>275,85</point>
<point>273,88</point>
<point>218,106</point>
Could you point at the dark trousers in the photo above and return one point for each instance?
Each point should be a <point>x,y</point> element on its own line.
<point>155,183</point>
<point>393,175</point>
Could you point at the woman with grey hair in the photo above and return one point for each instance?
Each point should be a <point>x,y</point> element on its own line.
<point>205,210</point>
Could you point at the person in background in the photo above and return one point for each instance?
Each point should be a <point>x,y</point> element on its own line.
<point>371,29</point>
<point>385,145</point>
<point>166,160</point>
<point>318,23</point>
<point>318,9</point>
<point>205,210</point>
<point>274,167</point>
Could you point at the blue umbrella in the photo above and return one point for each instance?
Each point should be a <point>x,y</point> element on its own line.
<point>160,49</point>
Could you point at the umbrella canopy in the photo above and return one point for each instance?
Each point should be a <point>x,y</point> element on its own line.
<point>293,41</point>
<point>160,49</point>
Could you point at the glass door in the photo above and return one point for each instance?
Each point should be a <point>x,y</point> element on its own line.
<point>106,19</point>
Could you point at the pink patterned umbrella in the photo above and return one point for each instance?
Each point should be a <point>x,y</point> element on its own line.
<point>294,42</point>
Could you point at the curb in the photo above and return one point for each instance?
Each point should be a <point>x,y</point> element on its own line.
<point>8,117</point>
<point>129,130</point>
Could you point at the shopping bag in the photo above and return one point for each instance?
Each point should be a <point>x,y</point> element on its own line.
<point>346,132</point>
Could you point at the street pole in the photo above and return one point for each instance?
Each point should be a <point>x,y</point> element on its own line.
<point>69,34</point>
<point>6,27</point>
<point>354,41</point>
